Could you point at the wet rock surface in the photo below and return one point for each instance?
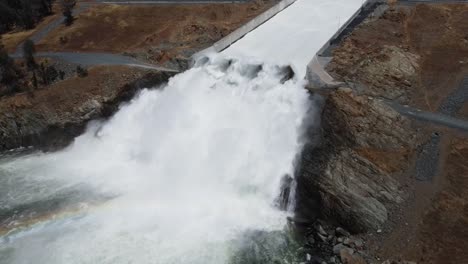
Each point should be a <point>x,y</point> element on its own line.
<point>257,247</point>
<point>325,243</point>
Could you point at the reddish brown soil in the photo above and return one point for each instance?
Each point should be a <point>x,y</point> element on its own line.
<point>64,96</point>
<point>388,160</point>
<point>440,34</point>
<point>437,33</point>
<point>171,28</point>
<point>444,229</point>
<point>12,39</point>
<point>432,225</point>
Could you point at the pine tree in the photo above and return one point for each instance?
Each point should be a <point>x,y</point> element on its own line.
<point>26,15</point>
<point>61,75</point>
<point>7,17</point>
<point>67,10</point>
<point>28,53</point>
<point>34,80</point>
<point>43,73</point>
<point>81,72</point>
<point>8,72</point>
<point>47,6</point>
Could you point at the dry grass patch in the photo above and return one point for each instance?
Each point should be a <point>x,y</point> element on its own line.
<point>11,40</point>
<point>118,28</point>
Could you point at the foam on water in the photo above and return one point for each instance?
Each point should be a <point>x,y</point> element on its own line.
<point>192,166</point>
<point>294,35</point>
<point>180,172</point>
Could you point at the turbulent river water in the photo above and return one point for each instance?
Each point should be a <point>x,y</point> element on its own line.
<point>181,173</point>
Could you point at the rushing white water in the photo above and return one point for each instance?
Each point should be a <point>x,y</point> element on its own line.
<point>191,166</point>
<point>294,35</point>
<point>175,175</point>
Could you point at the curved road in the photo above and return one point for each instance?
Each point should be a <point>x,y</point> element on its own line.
<point>89,59</point>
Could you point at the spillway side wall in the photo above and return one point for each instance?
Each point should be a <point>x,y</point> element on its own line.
<point>316,74</point>
<point>239,33</point>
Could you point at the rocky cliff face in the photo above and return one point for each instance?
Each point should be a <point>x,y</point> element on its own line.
<point>364,143</point>
<point>365,174</point>
<point>50,118</point>
<point>353,175</point>
<point>389,72</point>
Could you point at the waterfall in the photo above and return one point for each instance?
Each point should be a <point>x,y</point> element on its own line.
<point>182,172</point>
<point>183,169</point>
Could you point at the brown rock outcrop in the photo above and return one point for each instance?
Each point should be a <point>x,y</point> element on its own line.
<point>50,118</point>
<point>369,154</point>
<point>363,142</point>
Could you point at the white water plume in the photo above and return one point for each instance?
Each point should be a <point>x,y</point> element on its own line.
<point>179,173</point>
<point>190,166</point>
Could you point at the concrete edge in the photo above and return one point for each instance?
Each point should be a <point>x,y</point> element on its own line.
<point>318,77</point>
<point>239,33</point>
<point>316,73</point>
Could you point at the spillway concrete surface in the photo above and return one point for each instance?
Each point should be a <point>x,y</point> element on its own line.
<point>180,173</point>
<point>294,35</point>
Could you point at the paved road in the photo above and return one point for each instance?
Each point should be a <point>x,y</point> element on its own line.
<point>40,34</point>
<point>89,59</point>
<point>455,101</point>
<point>427,163</point>
<point>434,118</point>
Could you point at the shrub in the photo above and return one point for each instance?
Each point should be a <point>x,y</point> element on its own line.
<point>81,72</point>
<point>8,72</point>
<point>52,74</point>
<point>48,74</point>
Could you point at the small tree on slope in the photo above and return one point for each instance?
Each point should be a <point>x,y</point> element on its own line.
<point>28,54</point>
<point>67,10</point>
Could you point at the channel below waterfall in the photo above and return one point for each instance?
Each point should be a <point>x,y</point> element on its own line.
<point>179,174</point>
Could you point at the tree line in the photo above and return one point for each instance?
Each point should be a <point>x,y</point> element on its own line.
<point>13,79</point>
<point>23,13</point>
<point>26,14</point>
